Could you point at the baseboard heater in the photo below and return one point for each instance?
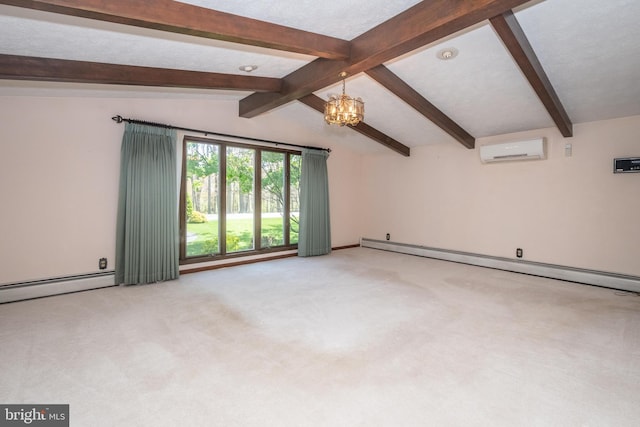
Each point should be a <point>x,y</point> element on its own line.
<point>12,292</point>
<point>552,271</point>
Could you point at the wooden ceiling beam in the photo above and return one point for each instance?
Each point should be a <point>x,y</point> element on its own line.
<point>14,67</point>
<point>317,104</point>
<point>402,90</point>
<point>424,23</point>
<point>183,18</point>
<point>508,28</point>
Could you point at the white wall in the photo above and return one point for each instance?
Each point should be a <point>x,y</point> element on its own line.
<point>59,166</point>
<point>59,159</point>
<point>571,211</point>
<point>58,181</point>
<point>345,186</point>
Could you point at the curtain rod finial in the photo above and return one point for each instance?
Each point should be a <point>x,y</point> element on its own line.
<point>117,119</point>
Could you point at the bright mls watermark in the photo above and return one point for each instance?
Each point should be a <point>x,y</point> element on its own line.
<point>34,415</point>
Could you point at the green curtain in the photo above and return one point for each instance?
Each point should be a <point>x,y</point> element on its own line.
<point>314,236</point>
<point>147,236</point>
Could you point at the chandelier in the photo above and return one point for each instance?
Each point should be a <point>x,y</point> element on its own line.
<point>343,109</point>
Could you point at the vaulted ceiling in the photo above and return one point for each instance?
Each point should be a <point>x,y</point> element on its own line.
<point>520,65</point>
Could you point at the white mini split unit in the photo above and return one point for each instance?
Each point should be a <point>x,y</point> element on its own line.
<point>533,149</point>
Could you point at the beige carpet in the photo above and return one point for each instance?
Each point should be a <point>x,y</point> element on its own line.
<point>358,338</point>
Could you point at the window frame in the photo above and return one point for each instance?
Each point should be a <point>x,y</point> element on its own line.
<point>222,194</point>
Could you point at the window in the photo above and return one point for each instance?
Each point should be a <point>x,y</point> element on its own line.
<point>237,199</point>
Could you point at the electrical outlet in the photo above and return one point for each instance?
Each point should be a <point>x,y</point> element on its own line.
<point>519,252</point>
<point>388,236</point>
<point>102,263</point>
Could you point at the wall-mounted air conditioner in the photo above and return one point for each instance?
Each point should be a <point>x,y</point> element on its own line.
<point>533,149</point>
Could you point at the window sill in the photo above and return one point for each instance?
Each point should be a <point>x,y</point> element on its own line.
<point>247,257</point>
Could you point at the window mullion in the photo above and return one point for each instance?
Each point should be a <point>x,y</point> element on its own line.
<point>287,198</point>
<point>257,213</point>
<point>222,214</point>
<point>183,203</point>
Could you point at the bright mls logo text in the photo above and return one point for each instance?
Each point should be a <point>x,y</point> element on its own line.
<point>39,415</point>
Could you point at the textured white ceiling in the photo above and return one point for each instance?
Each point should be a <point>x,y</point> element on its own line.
<point>33,33</point>
<point>344,19</point>
<point>482,89</point>
<point>590,50</point>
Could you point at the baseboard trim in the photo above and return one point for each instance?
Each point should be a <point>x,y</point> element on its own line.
<point>337,248</point>
<point>552,271</point>
<point>21,291</point>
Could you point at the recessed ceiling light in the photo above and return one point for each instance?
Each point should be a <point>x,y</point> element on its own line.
<point>447,53</point>
<point>248,68</point>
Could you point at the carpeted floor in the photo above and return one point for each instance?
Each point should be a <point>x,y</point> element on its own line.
<point>358,338</point>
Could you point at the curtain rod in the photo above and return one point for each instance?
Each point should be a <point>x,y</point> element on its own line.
<point>120,119</point>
